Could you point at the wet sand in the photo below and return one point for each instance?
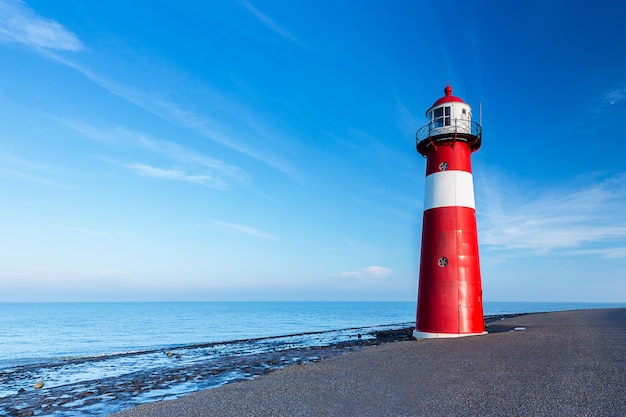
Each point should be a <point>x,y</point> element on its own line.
<point>564,363</point>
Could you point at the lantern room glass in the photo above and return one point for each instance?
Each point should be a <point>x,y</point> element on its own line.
<point>441,117</point>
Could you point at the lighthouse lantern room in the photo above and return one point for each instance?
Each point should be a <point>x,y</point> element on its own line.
<point>449,301</point>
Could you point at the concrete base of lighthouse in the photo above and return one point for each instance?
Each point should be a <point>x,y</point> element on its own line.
<point>426,335</point>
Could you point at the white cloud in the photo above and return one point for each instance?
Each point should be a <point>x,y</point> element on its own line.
<point>368,272</point>
<point>192,167</point>
<point>19,23</point>
<point>606,105</point>
<point>218,132</point>
<point>269,22</point>
<point>174,174</point>
<point>559,218</point>
<point>616,95</point>
<point>608,253</point>
<point>232,135</point>
<point>246,229</point>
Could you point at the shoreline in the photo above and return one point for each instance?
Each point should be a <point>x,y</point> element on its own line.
<point>558,363</point>
<point>175,371</point>
<point>142,377</point>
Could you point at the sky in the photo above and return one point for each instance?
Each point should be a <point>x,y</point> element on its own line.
<point>265,150</point>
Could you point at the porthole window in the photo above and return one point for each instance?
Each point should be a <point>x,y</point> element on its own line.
<point>443,261</point>
<point>443,166</point>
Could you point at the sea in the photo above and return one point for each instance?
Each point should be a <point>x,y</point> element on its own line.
<point>93,359</point>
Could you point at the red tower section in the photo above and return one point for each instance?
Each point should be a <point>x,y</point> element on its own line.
<point>449,301</point>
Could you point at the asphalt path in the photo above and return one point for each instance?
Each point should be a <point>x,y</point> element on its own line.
<point>555,364</point>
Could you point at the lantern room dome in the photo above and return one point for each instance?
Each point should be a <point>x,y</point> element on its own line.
<point>448,98</point>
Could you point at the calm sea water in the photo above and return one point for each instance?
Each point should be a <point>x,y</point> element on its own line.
<point>75,346</point>
<point>42,331</point>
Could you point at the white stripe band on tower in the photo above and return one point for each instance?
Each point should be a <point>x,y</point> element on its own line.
<point>449,188</point>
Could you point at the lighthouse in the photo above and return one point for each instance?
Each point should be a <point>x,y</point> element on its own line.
<point>449,300</point>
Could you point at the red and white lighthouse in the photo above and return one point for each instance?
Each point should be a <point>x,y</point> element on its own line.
<point>449,300</point>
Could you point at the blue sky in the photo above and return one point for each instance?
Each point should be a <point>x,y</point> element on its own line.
<point>264,150</point>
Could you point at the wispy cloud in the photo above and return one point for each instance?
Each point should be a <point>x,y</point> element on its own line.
<point>246,229</point>
<point>227,122</point>
<point>19,23</point>
<point>30,171</point>
<point>267,21</point>
<point>616,95</point>
<point>174,174</point>
<point>242,124</point>
<point>607,103</point>
<point>373,271</point>
<point>190,166</point>
<point>218,132</point>
<point>608,253</point>
<point>555,219</point>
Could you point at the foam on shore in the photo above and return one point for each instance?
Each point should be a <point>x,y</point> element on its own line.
<point>564,363</point>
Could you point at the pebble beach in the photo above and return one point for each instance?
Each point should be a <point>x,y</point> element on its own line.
<point>570,363</point>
